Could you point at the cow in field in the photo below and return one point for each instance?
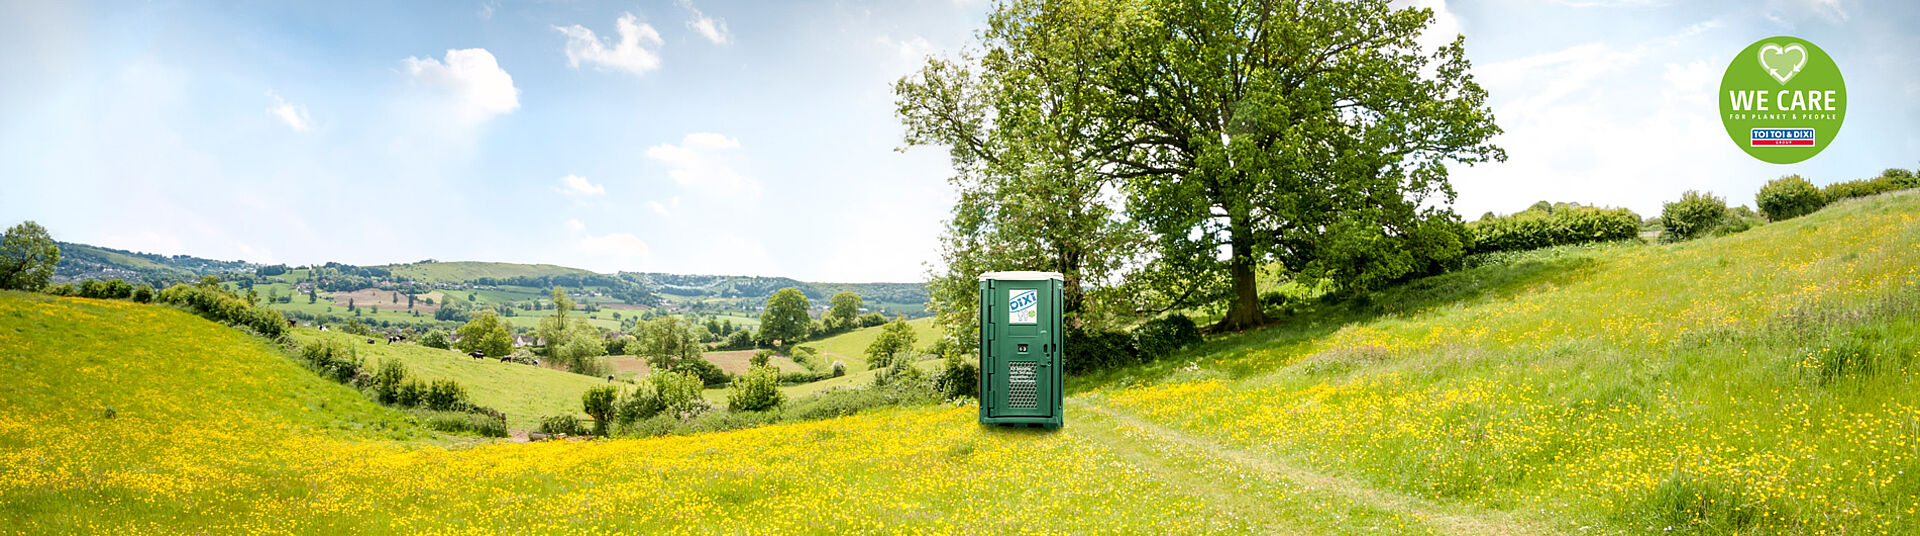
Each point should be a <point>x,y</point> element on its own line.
<point>476,354</point>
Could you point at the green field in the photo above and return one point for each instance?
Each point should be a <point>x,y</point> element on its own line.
<point>1760,383</point>
<point>851,347</point>
<point>466,270</point>
<point>524,392</point>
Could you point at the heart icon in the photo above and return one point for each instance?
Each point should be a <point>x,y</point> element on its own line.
<point>1783,63</point>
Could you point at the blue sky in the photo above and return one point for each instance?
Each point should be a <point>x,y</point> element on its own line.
<point>750,137</point>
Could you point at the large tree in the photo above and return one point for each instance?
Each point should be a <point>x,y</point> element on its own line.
<point>28,256</point>
<point>785,318</point>
<point>1314,133</point>
<point>842,310</point>
<point>667,343</point>
<point>1028,131</point>
<point>486,333</point>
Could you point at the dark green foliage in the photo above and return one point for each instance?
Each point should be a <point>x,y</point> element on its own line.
<point>562,424</point>
<point>760,358</point>
<point>444,395</point>
<point>1534,229</point>
<point>387,379</point>
<point>28,256</point>
<point>823,405</point>
<point>208,300</point>
<point>1788,197</point>
<point>895,340</point>
<point>143,293</point>
<point>598,403</point>
<point>333,359</point>
<point>793,378</point>
<point>961,379</point>
<point>785,318</point>
<point>709,374</point>
<point>106,289</point>
<point>1160,337</point>
<point>1902,178</point>
<point>1860,188</point>
<point>1692,216</point>
<point>1084,350</point>
<point>872,319</point>
<point>436,339</point>
<point>757,390</point>
<point>839,369</point>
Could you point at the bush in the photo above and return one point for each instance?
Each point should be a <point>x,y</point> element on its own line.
<point>959,379</point>
<point>333,359</point>
<point>143,293</point>
<point>1534,229</point>
<point>760,358</point>
<point>106,289</point>
<point>598,403</point>
<point>1902,178</point>
<point>757,390</point>
<point>1160,337</point>
<point>460,422</point>
<point>387,380</point>
<point>562,424</point>
<point>436,339</point>
<point>1085,350</point>
<point>641,403</point>
<point>1692,216</point>
<point>208,300</point>
<point>1789,197</point>
<point>444,395</point>
<point>839,369</point>
<point>671,393</point>
<point>789,378</point>
<point>1860,188</point>
<point>709,374</point>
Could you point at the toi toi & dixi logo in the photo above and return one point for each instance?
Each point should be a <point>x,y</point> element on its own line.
<point>1782,100</point>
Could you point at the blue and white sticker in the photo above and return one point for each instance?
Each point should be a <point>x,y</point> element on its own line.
<point>1023,306</point>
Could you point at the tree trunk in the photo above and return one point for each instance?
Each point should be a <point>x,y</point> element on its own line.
<point>1244,312</point>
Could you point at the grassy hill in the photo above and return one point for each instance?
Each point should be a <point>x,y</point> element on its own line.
<point>435,272</point>
<point>524,392</point>
<point>851,347</point>
<point>1760,383</point>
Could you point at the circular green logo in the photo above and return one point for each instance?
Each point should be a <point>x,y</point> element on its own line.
<point>1782,100</point>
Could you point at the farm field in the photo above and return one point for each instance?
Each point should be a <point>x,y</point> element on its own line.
<point>851,347</point>
<point>1759,383</point>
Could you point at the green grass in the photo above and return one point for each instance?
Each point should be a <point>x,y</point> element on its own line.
<point>525,393</point>
<point>851,346</point>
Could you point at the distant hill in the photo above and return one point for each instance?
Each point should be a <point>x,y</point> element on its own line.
<point>81,262</point>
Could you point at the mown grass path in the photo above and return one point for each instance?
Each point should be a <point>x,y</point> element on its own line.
<point>1317,501</point>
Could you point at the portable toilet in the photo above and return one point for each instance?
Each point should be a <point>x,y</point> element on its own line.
<point>1020,348</point>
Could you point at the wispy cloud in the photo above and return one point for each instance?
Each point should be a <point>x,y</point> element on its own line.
<point>705,160</point>
<point>713,29</point>
<point>629,54</point>
<point>577,186</point>
<point>294,115</point>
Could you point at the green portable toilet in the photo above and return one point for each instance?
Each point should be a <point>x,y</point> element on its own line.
<point>1020,348</point>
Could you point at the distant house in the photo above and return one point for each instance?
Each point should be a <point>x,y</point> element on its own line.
<point>522,341</point>
<point>616,335</point>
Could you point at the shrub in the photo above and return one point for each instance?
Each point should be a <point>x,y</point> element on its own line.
<point>409,394</point>
<point>1534,229</point>
<point>1087,350</point>
<point>1860,188</point>
<point>460,422</point>
<point>1902,178</point>
<point>387,380</point>
<point>210,301</point>
<point>1692,216</point>
<point>709,374</point>
<point>896,338</point>
<point>641,403</point>
<point>1160,337</point>
<point>760,358</point>
<point>1789,197</point>
<point>561,424</point>
<point>521,356</point>
<point>598,403</point>
<point>839,369</point>
<point>757,390</point>
<point>333,359</point>
<point>444,395</point>
<point>106,289</point>
<point>789,378</point>
<point>679,393</point>
<point>958,379</point>
<point>436,339</point>
<point>143,293</point>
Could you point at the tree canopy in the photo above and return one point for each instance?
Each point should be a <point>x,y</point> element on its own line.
<point>786,317</point>
<point>28,256</point>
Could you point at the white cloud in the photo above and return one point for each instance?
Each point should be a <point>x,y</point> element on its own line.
<point>609,252</point>
<point>629,54</point>
<point>713,29</point>
<point>478,86</point>
<point>294,115</point>
<point>577,186</point>
<point>705,160</point>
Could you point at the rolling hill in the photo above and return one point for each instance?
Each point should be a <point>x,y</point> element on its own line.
<point>1758,383</point>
